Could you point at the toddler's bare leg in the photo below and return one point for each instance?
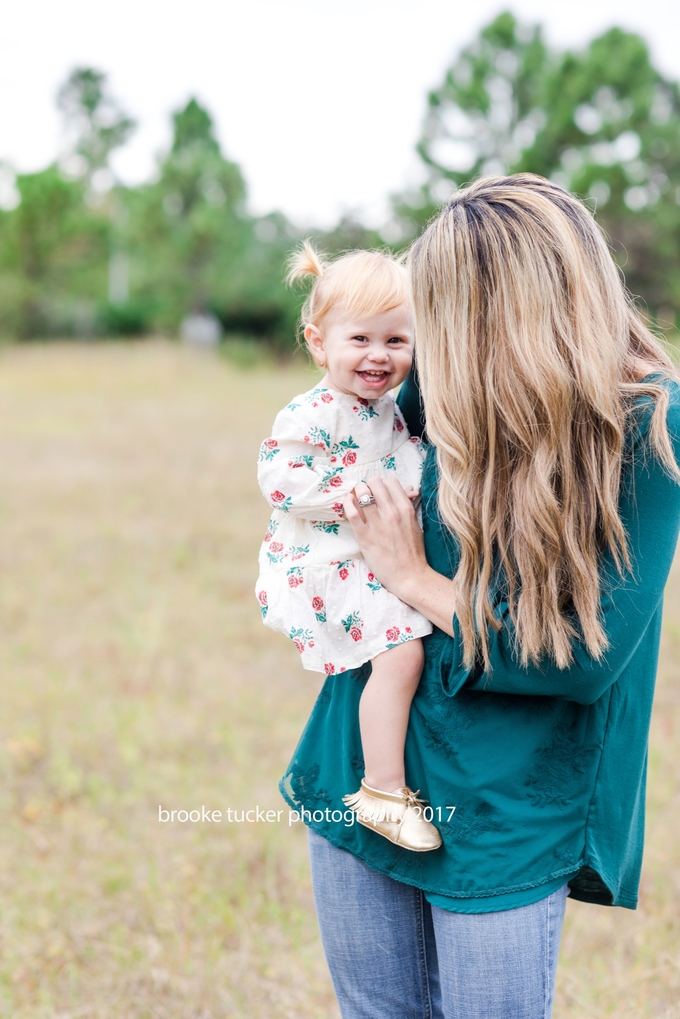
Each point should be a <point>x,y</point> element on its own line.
<point>383,713</point>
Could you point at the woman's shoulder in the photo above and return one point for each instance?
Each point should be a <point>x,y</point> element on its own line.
<point>673,414</point>
<point>645,406</point>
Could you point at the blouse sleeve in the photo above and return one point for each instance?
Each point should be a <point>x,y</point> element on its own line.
<point>650,511</point>
<point>295,471</point>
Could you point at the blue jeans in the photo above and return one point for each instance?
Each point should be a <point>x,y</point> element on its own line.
<point>394,956</point>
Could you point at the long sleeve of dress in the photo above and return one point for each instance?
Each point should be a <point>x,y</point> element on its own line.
<point>650,510</point>
<point>298,472</point>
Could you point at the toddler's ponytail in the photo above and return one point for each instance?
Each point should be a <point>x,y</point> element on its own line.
<point>304,262</point>
<point>362,282</point>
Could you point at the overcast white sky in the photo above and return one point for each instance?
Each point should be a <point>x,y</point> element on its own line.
<point>320,101</point>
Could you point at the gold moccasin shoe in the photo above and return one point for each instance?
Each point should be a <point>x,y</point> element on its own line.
<point>396,816</point>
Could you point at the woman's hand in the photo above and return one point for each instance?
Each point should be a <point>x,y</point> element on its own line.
<point>388,533</point>
<point>391,542</point>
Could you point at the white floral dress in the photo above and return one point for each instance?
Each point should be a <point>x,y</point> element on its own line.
<point>314,585</point>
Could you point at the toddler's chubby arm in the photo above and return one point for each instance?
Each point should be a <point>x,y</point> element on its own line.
<point>298,471</point>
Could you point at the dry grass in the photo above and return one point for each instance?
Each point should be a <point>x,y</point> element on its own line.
<point>136,673</point>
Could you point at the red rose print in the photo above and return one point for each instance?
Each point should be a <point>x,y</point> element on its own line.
<point>355,633</point>
<point>364,403</point>
<point>398,424</point>
<point>393,634</point>
<point>311,643</point>
<point>326,397</point>
<point>270,443</point>
<point>294,581</point>
<point>342,668</point>
<point>329,668</point>
<point>355,408</point>
<point>350,457</point>
<point>268,536</point>
<point>314,403</point>
<point>317,604</point>
<point>344,573</point>
<point>277,496</point>
<point>262,597</point>
<point>299,645</point>
<point>335,481</point>
<point>306,439</point>
<point>276,546</point>
<point>334,459</point>
<point>339,509</point>
<point>408,629</point>
<point>293,464</point>
<point>371,577</point>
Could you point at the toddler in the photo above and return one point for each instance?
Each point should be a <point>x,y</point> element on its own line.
<point>314,585</point>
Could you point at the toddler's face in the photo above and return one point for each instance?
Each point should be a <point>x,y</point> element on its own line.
<point>364,357</point>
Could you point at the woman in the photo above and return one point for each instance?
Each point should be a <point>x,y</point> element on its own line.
<point>551,508</point>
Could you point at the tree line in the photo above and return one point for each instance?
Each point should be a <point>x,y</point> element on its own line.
<point>82,254</point>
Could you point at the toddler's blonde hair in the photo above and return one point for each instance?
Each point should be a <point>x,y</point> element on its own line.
<point>363,282</point>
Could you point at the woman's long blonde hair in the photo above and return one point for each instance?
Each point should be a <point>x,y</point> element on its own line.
<point>527,346</point>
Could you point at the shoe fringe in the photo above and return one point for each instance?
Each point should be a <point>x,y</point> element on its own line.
<point>370,808</point>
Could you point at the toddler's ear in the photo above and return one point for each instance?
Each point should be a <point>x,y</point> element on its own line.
<point>314,341</point>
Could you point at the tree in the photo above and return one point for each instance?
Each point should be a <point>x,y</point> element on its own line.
<point>189,229</point>
<point>613,136</point>
<point>95,124</point>
<point>602,122</point>
<point>53,251</point>
<point>56,240</point>
<point>486,112</point>
<point>193,129</point>
<point>490,106</point>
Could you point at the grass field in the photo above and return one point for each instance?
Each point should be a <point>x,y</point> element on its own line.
<point>136,673</point>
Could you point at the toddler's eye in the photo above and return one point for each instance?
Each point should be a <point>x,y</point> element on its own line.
<point>361,339</point>
<point>396,339</point>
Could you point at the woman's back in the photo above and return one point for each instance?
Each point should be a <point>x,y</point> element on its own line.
<point>545,766</point>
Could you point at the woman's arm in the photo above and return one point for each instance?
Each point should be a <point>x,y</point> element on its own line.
<point>650,510</point>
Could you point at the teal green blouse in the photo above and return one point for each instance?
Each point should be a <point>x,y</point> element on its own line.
<point>545,767</point>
